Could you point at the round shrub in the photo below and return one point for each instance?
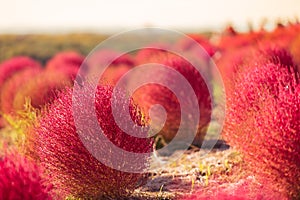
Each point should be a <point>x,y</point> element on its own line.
<point>72,169</point>
<point>66,62</point>
<point>230,61</point>
<point>282,35</point>
<point>242,60</point>
<point>154,54</point>
<point>9,67</point>
<point>41,90</point>
<point>191,45</point>
<point>201,40</point>
<point>262,122</point>
<point>151,94</point>
<point>272,54</point>
<point>13,65</point>
<point>118,65</point>
<point>238,40</point>
<point>11,87</point>
<point>21,179</point>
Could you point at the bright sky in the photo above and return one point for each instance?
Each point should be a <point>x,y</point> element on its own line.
<point>72,15</point>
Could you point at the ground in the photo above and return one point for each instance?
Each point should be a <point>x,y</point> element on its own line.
<point>195,169</point>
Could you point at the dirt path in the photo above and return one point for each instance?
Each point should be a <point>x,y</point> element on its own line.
<point>194,169</point>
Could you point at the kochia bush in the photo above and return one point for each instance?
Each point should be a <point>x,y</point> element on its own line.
<point>11,87</point>
<point>12,66</point>
<point>72,168</point>
<point>262,122</point>
<point>16,64</point>
<point>21,179</point>
<point>118,65</point>
<point>41,90</point>
<point>151,94</point>
<point>66,62</point>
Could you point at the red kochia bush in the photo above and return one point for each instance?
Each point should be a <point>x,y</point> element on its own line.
<point>21,179</point>
<point>151,94</point>
<point>262,122</point>
<point>201,40</point>
<point>67,62</point>
<point>239,40</point>
<point>147,55</point>
<point>233,61</point>
<point>73,170</point>
<point>282,35</point>
<point>10,67</point>
<point>274,54</point>
<point>11,87</point>
<point>193,45</point>
<point>119,65</point>
<point>230,61</point>
<point>13,65</point>
<point>41,90</point>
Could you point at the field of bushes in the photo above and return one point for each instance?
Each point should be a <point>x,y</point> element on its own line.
<point>257,156</point>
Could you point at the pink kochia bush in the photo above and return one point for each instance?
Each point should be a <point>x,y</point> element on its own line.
<point>262,122</point>
<point>72,168</point>
<point>151,94</point>
<point>118,65</point>
<point>22,179</point>
<point>41,90</point>
<point>201,40</point>
<point>67,62</point>
<point>11,87</point>
<point>13,65</point>
<point>228,64</point>
<point>193,44</point>
<point>272,54</point>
